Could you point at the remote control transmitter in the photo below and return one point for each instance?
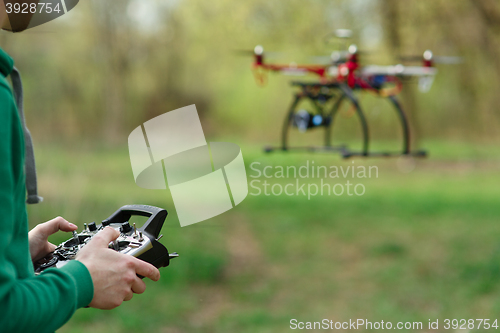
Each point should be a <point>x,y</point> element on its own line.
<point>141,243</point>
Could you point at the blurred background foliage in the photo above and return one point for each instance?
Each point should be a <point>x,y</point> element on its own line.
<point>107,66</point>
<point>421,244</point>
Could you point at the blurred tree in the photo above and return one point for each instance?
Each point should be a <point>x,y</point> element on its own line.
<point>113,39</point>
<point>391,14</point>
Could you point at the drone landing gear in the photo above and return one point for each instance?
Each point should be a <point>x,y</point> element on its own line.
<point>312,149</point>
<point>319,95</point>
<point>406,151</point>
<point>346,153</point>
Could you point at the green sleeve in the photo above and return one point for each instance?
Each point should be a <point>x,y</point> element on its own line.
<point>28,303</point>
<point>46,302</point>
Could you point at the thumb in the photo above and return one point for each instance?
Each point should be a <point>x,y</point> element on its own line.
<point>104,237</point>
<point>54,225</point>
<point>64,225</point>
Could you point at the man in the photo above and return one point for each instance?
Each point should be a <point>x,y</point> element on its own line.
<point>99,277</point>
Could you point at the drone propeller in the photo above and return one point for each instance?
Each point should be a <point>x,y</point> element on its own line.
<point>337,57</point>
<point>448,60</point>
<point>243,52</point>
<point>411,58</point>
<point>257,51</point>
<point>343,33</point>
<point>334,57</point>
<point>340,36</point>
<point>429,56</point>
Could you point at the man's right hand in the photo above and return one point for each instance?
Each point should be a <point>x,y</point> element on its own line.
<point>114,274</point>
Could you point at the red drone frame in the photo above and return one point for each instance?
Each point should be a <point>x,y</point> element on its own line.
<point>340,79</point>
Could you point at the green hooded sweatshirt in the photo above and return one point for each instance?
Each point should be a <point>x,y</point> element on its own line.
<point>28,303</point>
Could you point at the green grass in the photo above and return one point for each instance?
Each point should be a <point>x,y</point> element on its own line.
<point>420,244</point>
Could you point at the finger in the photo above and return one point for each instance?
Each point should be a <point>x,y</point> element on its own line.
<point>146,269</point>
<point>104,237</point>
<point>52,247</point>
<point>129,296</point>
<point>139,286</point>
<point>54,225</point>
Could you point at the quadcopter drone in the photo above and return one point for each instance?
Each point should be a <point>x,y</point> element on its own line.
<point>337,84</point>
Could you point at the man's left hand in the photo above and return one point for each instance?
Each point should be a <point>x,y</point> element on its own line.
<point>38,236</point>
